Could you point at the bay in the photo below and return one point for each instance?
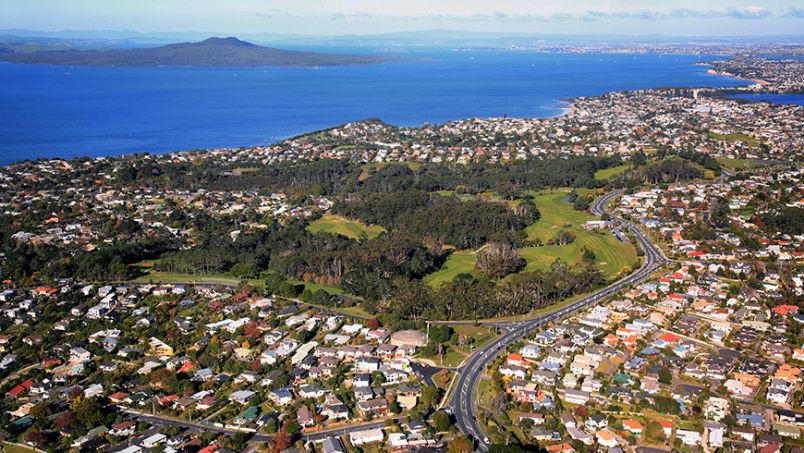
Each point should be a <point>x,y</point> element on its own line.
<point>773,98</point>
<point>59,111</point>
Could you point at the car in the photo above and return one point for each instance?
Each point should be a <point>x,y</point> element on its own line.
<point>486,440</point>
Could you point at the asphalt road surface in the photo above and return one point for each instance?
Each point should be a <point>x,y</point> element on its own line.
<point>461,402</point>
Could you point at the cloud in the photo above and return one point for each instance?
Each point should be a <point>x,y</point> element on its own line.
<point>741,12</point>
<point>796,13</point>
<point>748,12</point>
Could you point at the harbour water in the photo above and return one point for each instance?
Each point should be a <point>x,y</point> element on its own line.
<point>59,111</point>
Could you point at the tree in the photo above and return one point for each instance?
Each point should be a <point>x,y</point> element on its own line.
<point>460,444</point>
<point>654,432</point>
<point>272,282</point>
<point>430,395</point>
<point>789,220</point>
<point>667,405</point>
<point>440,334</point>
<point>280,441</point>
<point>442,421</point>
<point>638,158</point>
<point>566,237</point>
<point>498,260</point>
<point>526,424</point>
<point>288,289</point>
<point>64,419</point>
<point>237,441</point>
<point>377,379</point>
<point>292,427</point>
<point>91,412</point>
<point>40,438</point>
<point>581,411</point>
<point>270,426</point>
<point>588,255</point>
<point>244,270</point>
<point>373,323</point>
<point>665,375</point>
<point>252,329</point>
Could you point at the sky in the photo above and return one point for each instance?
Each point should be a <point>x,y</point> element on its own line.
<point>340,17</point>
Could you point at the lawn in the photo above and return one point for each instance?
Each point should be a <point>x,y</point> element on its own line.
<point>558,215</point>
<point>480,334</point>
<point>462,262</point>
<point>352,229</point>
<point>229,280</point>
<point>243,170</point>
<point>442,379</point>
<point>607,173</point>
<point>210,279</point>
<point>12,448</point>
<point>484,392</point>
<point>734,137</point>
<point>737,164</point>
<point>454,355</point>
<point>611,254</point>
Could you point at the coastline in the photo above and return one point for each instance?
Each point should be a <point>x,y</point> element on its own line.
<point>559,107</point>
<point>760,82</point>
<point>566,105</point>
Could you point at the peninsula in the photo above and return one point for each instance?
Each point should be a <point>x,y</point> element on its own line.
<point>212,52</point>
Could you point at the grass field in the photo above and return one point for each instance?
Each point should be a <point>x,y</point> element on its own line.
<point>442,379</point>
<point>484,392</point>
<point>220,279</point>
<point>454,355</point>
<point>243,170</point>
<point>607,173</point>
<point>353,229</point>
<point>480,334</point>
<point>457,263</point>
<point>734,137</point>
<point>737,164</point>
<point>612,255</point>
<point>556,215</point>
<point>173,277</point>
<point>16,448</point>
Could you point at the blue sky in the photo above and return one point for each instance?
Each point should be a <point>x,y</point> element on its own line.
<point>337,17</point>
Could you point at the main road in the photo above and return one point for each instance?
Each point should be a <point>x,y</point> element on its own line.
<point>461,401</point>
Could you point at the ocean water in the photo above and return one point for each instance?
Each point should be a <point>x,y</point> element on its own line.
<point>796,99</point>
<point>62,111</point>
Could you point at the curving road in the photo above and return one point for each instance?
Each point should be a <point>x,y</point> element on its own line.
<point>461,402</point>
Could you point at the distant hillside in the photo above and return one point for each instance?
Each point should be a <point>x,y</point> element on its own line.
<point>224,52</point>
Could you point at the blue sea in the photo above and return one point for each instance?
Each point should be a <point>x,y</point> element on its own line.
<point>773,98</point>
<point>62,111</point>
